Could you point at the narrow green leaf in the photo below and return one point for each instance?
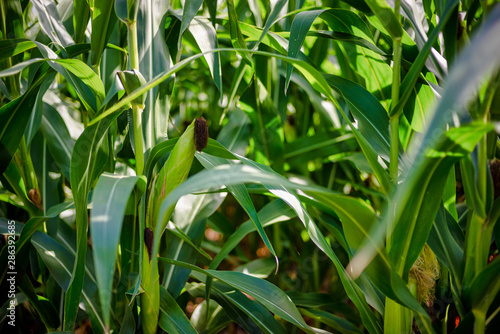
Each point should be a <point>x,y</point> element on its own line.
<point>88,159</point>
<point>103,23</point>
<point>444,245</point>
<point>263,291</point>
<point>59,260</point>
<point>484,289</point>
<point>249,314</point>
<point>12,47</point>
<point>44,307</point>
<point>36,115</point>
<point>450,194</point>
<point>51,24</point>
<point>271,19</point>
<point>191,7</point>
<point>299,29</point>
<point>436,63</point>
<point>367,110</point>
<point>243,198</point>
<point>320,145</point>
<point>57,136</point>
<point>212,9</point>
<point>237,39</point>
<point>469,177</point>
<point>19,67</point>
<point>85,81</point>
<point>274,212</point>
<point>172,317</point>
<point>413,74</point>
<point>81,15</point>
<point>225,175</point>
<point>339,21</point>
<point>110,199</point>
<point>386,16</point>
<point>439,147</point>
<point>348,37</point>
<point>89,78</point>
<point>27,232</point>
<point>206,38</point>
<point>336,322</point>
<point>159,151</point>
<point>14,117</point>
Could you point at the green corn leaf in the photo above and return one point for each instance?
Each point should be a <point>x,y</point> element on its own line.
<point>372,117</point>
<point>50,23</point>
<point>88,160</point>
<point>12,47</point>
<point>56,134</point>
<point>172,317</point>
<point>247,313</point>
<point>278,6</point>
<point>14,117</point>
<point>45,308</point>
<point>445,246</point>
<point>59,260</point>
<point>413,74</point>
<point>103,23</point>
<point>275,212</point>
<point>225,175</point>
<point>191,7</point>
<point>236,37</point>
<point>19,67</point>
<point>206,38</point>
<point>483,290</point>
<point>81,19</point>
<point>110,199</point>
<point>266,293</point>
<point>438,148</point>
<point>386,16</point>
<point>36,115</point>
<point>336,322</point>
<point>243,198</point>
<point>85,81</point>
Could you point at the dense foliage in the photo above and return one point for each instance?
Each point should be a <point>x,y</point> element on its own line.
<point>350,182</point>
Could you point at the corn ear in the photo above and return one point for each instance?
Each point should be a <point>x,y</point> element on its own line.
<point>173,173</point>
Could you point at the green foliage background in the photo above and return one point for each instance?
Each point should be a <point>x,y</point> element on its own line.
<point>357,138</point>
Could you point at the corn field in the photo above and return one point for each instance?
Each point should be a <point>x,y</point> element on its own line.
<point>256,166</point>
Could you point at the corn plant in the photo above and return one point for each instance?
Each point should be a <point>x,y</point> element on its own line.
<point>261,166</point>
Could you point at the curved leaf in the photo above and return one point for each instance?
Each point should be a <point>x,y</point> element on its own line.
<point>172,317</point>
<point>59,261</point>
<point>51,24</point>
<point>12,47</point>
<point>227,175</point>
<point>386,16</point>
<point>266,293</point>
<point>191,7</point>
<point>239,307</point>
